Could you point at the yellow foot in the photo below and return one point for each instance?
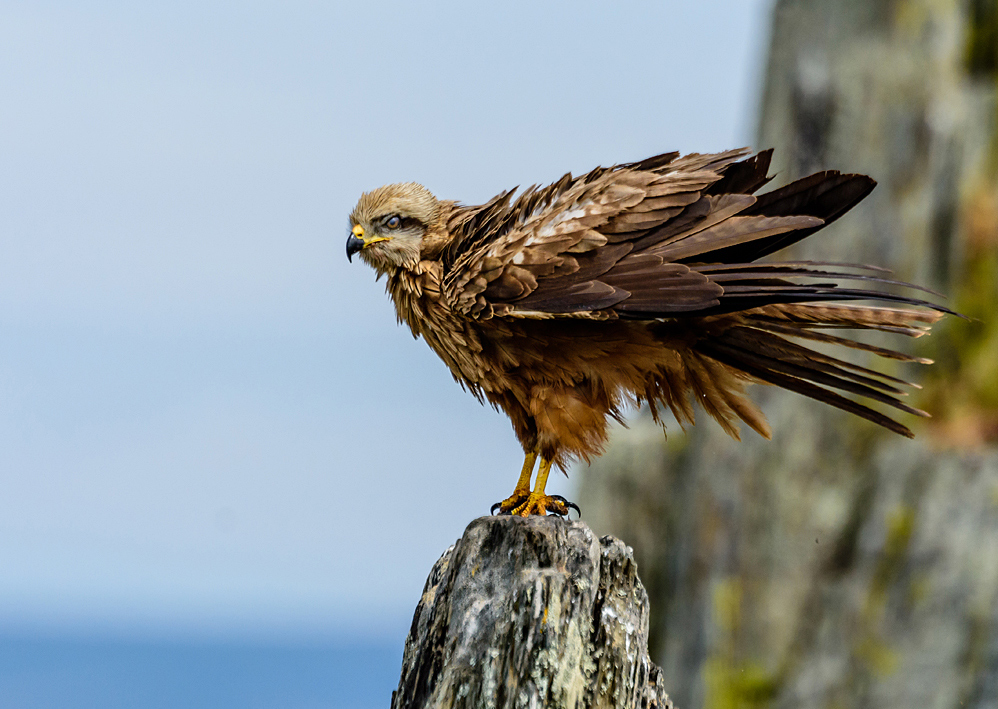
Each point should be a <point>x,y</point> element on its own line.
<point>507,506</point>
<point>536,504</point>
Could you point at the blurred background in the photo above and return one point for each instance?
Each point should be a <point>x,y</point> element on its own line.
<point>839,565</point>
<point>225,471</point>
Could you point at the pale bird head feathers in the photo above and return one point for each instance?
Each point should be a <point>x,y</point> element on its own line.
<point>388,225</point>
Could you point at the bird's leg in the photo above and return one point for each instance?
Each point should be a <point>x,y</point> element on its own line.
<point>522,490</point>
<point>539,503</point>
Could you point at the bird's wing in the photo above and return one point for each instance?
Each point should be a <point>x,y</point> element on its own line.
<point>552,249</point>
<point>663,237</point>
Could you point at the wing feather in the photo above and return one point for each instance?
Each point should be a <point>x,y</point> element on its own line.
<point>668,236</point>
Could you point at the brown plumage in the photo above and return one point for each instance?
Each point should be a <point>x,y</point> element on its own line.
<point>636,283</point>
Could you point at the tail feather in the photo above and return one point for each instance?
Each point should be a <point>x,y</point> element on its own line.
<point>813,391</point>
<point>824,337</point>
<point>755,343</point>
<point>905,321</point>
<point>762,350</point>
<point>762,319</point>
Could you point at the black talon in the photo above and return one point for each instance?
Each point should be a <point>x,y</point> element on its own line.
<point>568,505</point>
<point>496,506</point>
<point>563,502</point>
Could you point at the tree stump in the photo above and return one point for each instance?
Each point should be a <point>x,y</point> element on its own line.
<point>533,612</point>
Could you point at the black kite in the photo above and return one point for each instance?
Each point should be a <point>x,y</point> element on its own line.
<point>642,282</point>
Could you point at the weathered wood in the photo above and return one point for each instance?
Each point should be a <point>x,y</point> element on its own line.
<point>532,612</point>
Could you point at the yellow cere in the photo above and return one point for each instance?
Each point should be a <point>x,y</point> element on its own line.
<point>358,231</point>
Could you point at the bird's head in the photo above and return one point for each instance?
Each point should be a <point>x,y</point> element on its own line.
<point>388,225</point>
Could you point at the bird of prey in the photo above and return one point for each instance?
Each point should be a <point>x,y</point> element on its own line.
<point>646,282</point>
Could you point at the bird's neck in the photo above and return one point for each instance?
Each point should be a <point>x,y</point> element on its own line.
<point>420,304</point>
<point>415,287</point>
<point>411,289</point>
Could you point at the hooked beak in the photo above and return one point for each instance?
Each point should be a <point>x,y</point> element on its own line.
<point>353,246</point>
<point>356,241</point>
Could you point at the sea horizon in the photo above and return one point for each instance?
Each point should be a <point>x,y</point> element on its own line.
<point>78,669</point>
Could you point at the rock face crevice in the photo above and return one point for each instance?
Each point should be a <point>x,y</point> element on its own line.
<point>532,612</point>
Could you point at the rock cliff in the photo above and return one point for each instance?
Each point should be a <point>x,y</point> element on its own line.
<point>836,565</point>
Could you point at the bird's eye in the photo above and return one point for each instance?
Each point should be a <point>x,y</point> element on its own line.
<point>394,222</point>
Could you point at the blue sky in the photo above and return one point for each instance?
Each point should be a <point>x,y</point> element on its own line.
<point>210,423</point>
